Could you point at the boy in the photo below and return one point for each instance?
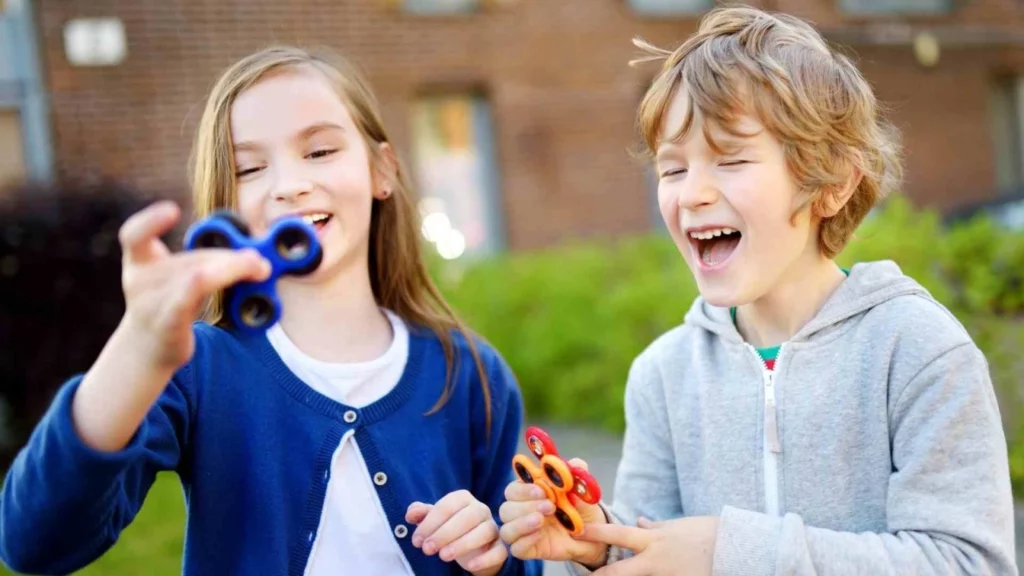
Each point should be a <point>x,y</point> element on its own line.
<point>804,419</point>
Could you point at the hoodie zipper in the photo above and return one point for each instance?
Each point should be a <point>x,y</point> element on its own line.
<point>771,445</point>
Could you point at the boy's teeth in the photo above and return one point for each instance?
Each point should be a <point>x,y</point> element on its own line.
<point>709,234</point>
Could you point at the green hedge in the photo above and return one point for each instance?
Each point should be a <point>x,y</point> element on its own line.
<point>570,319</point>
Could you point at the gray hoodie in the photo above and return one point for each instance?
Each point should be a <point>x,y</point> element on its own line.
<point>876,446</point>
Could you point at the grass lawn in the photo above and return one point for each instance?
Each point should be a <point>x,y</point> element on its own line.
<point>152,543</point>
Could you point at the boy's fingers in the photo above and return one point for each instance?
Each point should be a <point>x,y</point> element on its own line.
<point>635,566</point>
<point>648,523</point>
<point>635,539</point>
<point>579,463</point>
<point>522,492</point>
<point>521,528</point>
<point>510,511</point>
<point>139,231</point>
<point>523,547</point>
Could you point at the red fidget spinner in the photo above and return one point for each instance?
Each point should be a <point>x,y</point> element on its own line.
<point>562,483</point>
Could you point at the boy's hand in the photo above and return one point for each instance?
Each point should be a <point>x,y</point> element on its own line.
<point>459,527</point>
<point>683,546</point>
<point>529,528</point>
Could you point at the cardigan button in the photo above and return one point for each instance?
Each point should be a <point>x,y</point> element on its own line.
<point>380,478</point>
<point>351,416</point>
<point>401,531</point>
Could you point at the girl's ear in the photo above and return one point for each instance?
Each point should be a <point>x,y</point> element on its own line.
<point>385,177</point>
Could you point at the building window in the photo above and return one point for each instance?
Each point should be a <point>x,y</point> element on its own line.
<point>670,7</point>
<point>440,6</point>
<point>887,7</point>
<point>456,174</point>
<point>12,161</point>
<point>1006,102</point>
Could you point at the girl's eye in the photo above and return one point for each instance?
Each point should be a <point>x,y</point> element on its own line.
<point>734,162</point>
<point>673,172</point>
<point>322,153</point>
<point>245,172</point>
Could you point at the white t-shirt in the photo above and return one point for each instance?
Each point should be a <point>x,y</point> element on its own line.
<point>354,536</point>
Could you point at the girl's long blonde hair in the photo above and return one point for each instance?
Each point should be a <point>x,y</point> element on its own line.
<point>398,274</point>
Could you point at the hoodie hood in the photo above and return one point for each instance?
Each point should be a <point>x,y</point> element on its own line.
<point>868,285</point>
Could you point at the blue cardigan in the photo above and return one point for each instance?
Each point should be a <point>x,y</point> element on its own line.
<point>252,445</point>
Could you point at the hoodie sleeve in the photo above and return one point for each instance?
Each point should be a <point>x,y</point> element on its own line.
<point>646,483</point>
<point>950,508</point>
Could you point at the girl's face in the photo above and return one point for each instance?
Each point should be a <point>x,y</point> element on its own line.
<point>298,151</point>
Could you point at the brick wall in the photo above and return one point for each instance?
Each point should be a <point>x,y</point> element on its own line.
<point>555,70</point>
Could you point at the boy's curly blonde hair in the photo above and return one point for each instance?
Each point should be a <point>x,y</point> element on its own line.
<point>778,69</point>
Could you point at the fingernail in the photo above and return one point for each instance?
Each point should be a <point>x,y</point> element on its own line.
<point>547,507</point>
<point>446,554</point>
<point>429,547</point>
<point>417,540</point>
<point>537,492</point>
<point>534,521</point>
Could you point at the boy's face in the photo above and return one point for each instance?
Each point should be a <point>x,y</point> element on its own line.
<point>731,213</point>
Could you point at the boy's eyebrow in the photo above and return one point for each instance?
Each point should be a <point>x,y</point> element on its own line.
<point>666,148</point>
<point>726,143</point>
<point>301,134</point>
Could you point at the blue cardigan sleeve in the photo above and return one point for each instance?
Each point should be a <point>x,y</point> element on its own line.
<point>64,504</point>
<point>493,452</point>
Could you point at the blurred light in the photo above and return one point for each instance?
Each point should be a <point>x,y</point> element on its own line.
<point>926,49</point>
<point>430,205</point>
<point>435,226</point>
<point>95,41</point>
<point>451,245</point>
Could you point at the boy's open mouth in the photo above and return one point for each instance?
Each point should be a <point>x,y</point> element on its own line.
<point>715,245</point>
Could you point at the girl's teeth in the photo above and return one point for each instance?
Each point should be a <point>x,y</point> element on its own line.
<point>314,218</point>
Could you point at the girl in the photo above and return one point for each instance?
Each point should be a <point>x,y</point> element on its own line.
<point>365,433</point>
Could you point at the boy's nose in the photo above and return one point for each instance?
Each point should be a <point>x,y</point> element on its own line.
<point>698,190</point>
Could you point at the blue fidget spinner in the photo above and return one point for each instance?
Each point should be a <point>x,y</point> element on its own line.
<point>291,247</point>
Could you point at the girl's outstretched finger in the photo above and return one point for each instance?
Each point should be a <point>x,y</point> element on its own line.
<point>222,269</point>
<point>140,233</point>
